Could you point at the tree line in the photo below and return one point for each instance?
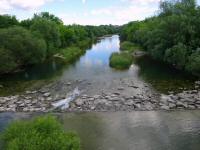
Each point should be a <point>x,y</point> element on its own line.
<point>32,41</point>
<point>172,36</point>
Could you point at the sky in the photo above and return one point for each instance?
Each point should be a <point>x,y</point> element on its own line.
<point>84,12</point>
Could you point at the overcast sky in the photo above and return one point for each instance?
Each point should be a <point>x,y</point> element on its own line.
<point>83,12</point>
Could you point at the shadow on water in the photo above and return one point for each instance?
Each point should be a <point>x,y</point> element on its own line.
<point>163,77</point>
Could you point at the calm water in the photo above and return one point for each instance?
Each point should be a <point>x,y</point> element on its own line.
<point>178,130</point>
<point>94,66</point>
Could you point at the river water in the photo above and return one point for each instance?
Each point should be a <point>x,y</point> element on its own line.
<point>94,67</point>
<point>155,130</point>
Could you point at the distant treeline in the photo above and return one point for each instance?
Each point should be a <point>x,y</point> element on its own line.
<point>172,36</point>
<point>32,41</point>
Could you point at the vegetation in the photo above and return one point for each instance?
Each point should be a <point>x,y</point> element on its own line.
<point>172,36</point>
<point>121,60</point>
<point>32,41</point>
<point>43,133</point>
<point>71,53</point>
<point>128,46</point>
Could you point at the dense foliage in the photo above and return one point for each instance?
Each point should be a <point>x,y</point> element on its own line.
<point>121,60</point>
<point>31,41</point>
<point>42,133</point>
<point>128,46</point>
<point>172,36</point>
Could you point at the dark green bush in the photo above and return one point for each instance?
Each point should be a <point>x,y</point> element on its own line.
<point>121,60</point>
<point>42,133</point>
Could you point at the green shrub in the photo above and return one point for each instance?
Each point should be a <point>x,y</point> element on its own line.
<point>128,46</point>
<point>121,60</point>
<point>71,53</point>
<point>42,133</point>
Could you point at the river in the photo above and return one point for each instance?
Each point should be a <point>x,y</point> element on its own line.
<point>134,130</point>
<point>154,130</point>
<point>94,67</point>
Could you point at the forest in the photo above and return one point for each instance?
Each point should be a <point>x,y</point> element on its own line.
<point>172,36</point>
<point>32,41</point>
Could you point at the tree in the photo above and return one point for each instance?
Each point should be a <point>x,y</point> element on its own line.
<point>49,32</point>
<point>7,21</point>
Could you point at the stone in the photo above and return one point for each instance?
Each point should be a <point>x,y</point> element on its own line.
<point>116,93</point>
<point>49,99</point>
<point>197,82</point>
<point>165,107</point>
<point>47,94</point>
<point>22,105</point>
<point>181,104</point>
<point>79,102</point>
<point>120,88</point>
<point>191,107</point>
<point>172,105</point>
<point>69,83</point>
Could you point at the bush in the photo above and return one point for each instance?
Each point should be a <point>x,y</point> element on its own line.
<point>42,133</point>
<point>22,47</point>
<point>7,61</point>
<point>71,53</point>
<point>121,60</point>
<point>128,46</point>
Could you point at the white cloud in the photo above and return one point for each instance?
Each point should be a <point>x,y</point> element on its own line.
<point>84,1</point>
<point>136,10</point>
<point>6,5</point>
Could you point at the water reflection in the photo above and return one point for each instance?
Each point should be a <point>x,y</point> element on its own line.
<point>178,130</point>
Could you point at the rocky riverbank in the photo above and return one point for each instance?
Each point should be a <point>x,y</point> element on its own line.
<point>127,96</point>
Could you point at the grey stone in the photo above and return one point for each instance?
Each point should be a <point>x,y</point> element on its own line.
<point>79,102</point>
<point>165,107</point>
<point>47,94</point>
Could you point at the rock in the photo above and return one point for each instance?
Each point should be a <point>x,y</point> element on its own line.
<point>197,82</point>
<point>172,105</point>
<point>171,92</point>
<point>79,102</point>
<point>133,86</point>
<point>49,99</point>
<point>47,94</point>
<point>2,109</point>
<point>120,88</point>
<point>93,107</point>
<point>69,83</point>
<point>116,93</point>
<point>148,106</point>
<point>181,104</point>
<point>191,107</point>
<point>28,92</point>
<point>165,107</point>
<point>129,103</point>
<point>22,105</point>
<point>97,96</point>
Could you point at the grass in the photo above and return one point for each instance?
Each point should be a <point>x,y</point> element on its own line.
<point>42,133</point>
<point>121,60</point>
<point>70,54</point>
<point>128,46</point>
